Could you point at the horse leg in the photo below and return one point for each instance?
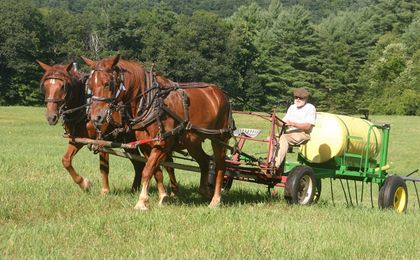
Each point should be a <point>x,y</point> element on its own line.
<point>71,151</point>
<point>172,178</point>
<point>152,165</point>
<point>158,178</point>
<point>219,159</point>
<point>138,168</point>
<point>163,196</point>
<point>202,159</point>
<point>104,168</point>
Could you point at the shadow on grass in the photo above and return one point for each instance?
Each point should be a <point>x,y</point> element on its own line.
<point>188,196</point>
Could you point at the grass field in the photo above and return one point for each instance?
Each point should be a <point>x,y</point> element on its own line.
<point>43,214</point>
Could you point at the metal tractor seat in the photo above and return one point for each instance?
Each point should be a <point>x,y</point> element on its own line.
<point>249,132</point>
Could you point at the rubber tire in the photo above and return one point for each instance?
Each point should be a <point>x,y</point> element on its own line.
<point>227,181</point>
<point>388,192</point>
<point>293,185</point>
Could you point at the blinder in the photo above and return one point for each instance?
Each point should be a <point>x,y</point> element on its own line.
<point>116,79</point>
<point>116,87</point>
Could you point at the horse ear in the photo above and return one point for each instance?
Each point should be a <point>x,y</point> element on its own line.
<point>161,80</point>
<point>69,67</point>
<point>43,65</point>
<point>89,62</point>
<point>116,60</point>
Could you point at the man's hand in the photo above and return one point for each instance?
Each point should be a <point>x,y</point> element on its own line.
<point>301,126</point>
<point>289,123</point>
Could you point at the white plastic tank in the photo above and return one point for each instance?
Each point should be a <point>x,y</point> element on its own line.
<point>329,138</point>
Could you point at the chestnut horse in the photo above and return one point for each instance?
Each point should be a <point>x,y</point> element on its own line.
<point>65,97</point>
<point>166,117</point>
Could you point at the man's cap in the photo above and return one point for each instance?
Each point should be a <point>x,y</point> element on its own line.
<point>301,92</point>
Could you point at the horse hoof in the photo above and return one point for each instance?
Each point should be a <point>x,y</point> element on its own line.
<point>163,200</point>
<point>135,190</point>
<point>86,185</point>
<point>104,192</point>
<point>141,207</point>
<point>215,203</point>
<point>174,191</point>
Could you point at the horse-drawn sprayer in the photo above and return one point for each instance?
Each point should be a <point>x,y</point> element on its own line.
<point>151,120</point>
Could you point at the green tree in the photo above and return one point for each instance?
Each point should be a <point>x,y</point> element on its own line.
<point>244,54</point>
<point>393,15</point>
<point>390,78</point>
<point>345,40</point>
<point>66,35</point>
<point>198,49</point>
<point>411,36</point>
<point>20,30</point>
<point>290,53</point>
<point>149,34</point>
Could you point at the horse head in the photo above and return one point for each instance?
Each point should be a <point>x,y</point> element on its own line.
<point>106,83</point>
<point>56,84</point>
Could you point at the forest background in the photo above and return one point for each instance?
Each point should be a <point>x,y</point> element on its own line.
<point>351,54</point>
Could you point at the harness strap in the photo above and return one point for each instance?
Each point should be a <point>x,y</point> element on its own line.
<point>54,100</point>
<point>158,108</point>
<point>70,111</point>
<point>211,131</point>
<point>172,114</point>
<point>139,123</point>
<point>152,108</point>
<point>176,131</point>
<point>103,99</point>
<point>185,103</point>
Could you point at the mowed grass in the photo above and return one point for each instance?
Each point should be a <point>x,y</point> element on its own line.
<point>43,214</point>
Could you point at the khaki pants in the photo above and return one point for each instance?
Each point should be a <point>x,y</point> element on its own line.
<point>292,138</point>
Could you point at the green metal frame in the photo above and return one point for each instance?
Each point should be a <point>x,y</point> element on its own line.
<point>339,167</point>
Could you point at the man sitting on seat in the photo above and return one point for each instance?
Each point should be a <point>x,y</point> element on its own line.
<point>300,118</point>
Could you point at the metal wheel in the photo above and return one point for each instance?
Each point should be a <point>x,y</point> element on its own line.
<point>300,186</point>
<point>393,194</point>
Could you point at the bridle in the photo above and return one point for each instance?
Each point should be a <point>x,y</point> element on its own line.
<point>56,76</point>
<point>69,115</point>
<point>117,79</point>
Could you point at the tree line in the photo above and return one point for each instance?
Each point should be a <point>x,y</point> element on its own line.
<point>349,54</point>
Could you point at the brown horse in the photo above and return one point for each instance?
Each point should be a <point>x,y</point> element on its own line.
<point>170,116</point>
<point>65,97</point>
